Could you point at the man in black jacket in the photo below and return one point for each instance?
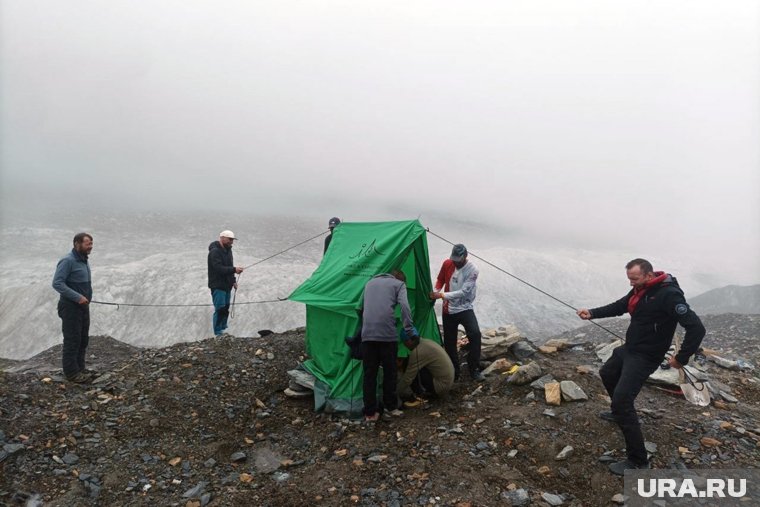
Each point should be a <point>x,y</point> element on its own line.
<point>656,305</point>
<point>332,224</point>
<point>221,278</point>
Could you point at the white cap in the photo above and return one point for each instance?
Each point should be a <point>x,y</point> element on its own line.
<point>227,234</point>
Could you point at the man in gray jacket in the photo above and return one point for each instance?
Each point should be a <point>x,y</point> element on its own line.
<point>73,281</point>
<point>379,339</point>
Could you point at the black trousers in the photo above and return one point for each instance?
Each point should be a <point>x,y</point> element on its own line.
<point>75,324</point>
<point>451,322</point>
<point>376,354</point>
<point>623,375</point>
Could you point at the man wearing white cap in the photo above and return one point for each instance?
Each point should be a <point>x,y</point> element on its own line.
<point>221,278</point>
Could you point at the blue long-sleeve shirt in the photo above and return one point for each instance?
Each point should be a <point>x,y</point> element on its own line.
<point>72,278</point>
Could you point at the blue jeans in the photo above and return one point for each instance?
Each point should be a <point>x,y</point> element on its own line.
<point>623,375</point>
<point>221,299</point>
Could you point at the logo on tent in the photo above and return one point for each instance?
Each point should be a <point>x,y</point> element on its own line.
<point>367,250</point>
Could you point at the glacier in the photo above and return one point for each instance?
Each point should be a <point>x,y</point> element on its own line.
<point>154,258</point>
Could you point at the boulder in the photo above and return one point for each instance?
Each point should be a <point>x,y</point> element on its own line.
<point>605,351</point>
<point>522,350</point>
<point>497,346</point>
<point>541,382</point>
<point>560,344</point>
<point>525,374</point>
<point>498,366</point>
<point>553,393</point>
<point>571,391</point>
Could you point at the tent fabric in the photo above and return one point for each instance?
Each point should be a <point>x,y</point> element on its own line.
<point>333,294</point>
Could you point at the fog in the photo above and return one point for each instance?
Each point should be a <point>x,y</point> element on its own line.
<point>585,124</point>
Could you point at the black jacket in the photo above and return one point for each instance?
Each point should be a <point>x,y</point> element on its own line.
<point>654,321</point>
<point>221,271</point>
<point>328,238</point>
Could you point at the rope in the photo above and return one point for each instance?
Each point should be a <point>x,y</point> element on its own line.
<point>286,250</point>
<point>237,280</point>
<point>528,284</point>
<point>108,303</point>
<point>117,305</point>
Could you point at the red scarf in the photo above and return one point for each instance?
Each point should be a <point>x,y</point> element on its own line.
<point>659,277</point>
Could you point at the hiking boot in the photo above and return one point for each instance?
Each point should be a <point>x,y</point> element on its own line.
<point>620,467</point>
<point>372,418</point>
<point>478,377</point>
<point>414,403</point>
<point>79,378</point>
<point>389,415</point>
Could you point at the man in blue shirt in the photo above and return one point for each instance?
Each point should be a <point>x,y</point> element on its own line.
<point>73,281</point>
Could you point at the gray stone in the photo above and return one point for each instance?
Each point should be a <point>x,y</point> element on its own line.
<point>525,374</point>
<point>605,351</point>
<point>564,453</point>
<point>237,457</point>
<point>651,447</point>
<point>619,499</point>
<point>724,363</point>
<point>728,397</point>
<point>522,350</point>
<point>196,491</point>
<point>70,458</point>
<point>481,446</point>
<point>517,498</point>
<point>210,463</point>
<point>541,382</point>
<point>571,391</point>
<point>281,477</point>
<point>232,478</point>
<point>303,378</point>
<point>266,461</point>
<point>550,413</point>
<point>552,499</point>
<point>205,499</point>
<point>457,430</point>
<point>13,448</point>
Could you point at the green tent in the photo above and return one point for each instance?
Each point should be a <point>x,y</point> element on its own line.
<point>358,251</point>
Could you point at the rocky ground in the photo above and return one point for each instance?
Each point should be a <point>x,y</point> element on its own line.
<point>207,423</point>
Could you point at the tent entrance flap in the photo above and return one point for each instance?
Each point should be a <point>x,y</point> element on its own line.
<point>333,294</point>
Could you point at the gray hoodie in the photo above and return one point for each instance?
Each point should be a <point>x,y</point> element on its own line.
<point>381,295</point>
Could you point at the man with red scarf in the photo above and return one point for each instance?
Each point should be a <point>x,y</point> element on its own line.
<point>656,305</point>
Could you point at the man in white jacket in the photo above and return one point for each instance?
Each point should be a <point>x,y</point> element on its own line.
<point>460,299</point>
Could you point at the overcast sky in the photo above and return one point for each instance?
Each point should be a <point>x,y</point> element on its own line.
<point>632,123</point>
